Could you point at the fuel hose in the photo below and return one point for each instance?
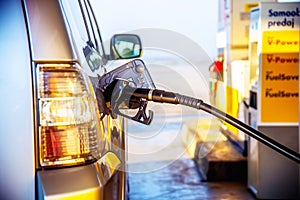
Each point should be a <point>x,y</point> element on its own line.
<point>175,98</point>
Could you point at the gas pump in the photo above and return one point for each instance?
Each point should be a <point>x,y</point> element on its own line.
<point>130,87</point>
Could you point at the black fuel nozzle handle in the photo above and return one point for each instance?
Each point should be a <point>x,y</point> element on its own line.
<point>141,115</point>
<point>118,96</point>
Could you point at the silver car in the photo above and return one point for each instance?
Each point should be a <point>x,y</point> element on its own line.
<point>58,140</point>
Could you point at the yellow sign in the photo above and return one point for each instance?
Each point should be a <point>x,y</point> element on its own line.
<point>280,41</point>
<point>279,76</point>
<point>279,88</point>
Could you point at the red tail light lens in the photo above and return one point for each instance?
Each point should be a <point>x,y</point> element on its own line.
<point>69,126</point>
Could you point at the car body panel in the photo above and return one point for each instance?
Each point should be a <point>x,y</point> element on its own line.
<point>73,182</point>
<point>49,35</point>
<point>46,39</point>
<point>17,158</point>
<point>83,182</point>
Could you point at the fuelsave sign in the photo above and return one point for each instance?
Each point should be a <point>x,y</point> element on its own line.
<point>280,76</point>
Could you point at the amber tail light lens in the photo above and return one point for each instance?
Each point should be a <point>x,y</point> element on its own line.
<point>69,128</point>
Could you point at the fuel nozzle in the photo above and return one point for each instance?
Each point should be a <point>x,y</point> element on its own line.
<point>121,94</point>
<point>114,84</point>
<point>120,99</point>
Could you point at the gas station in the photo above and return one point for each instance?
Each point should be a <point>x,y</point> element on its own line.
<point>254,90</point>
<point>258,44</point>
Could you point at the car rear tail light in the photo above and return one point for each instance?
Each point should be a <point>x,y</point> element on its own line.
<point>69,128</point>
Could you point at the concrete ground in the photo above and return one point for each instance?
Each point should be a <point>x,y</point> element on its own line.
<point>161,168</point>
<point>180,180</point>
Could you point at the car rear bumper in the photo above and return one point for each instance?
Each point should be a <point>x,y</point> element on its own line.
<point>82,182</point>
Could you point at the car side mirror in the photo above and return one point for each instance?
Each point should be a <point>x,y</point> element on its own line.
<point>125,46</point>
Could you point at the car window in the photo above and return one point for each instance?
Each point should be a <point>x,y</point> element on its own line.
<point>85,36</point>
